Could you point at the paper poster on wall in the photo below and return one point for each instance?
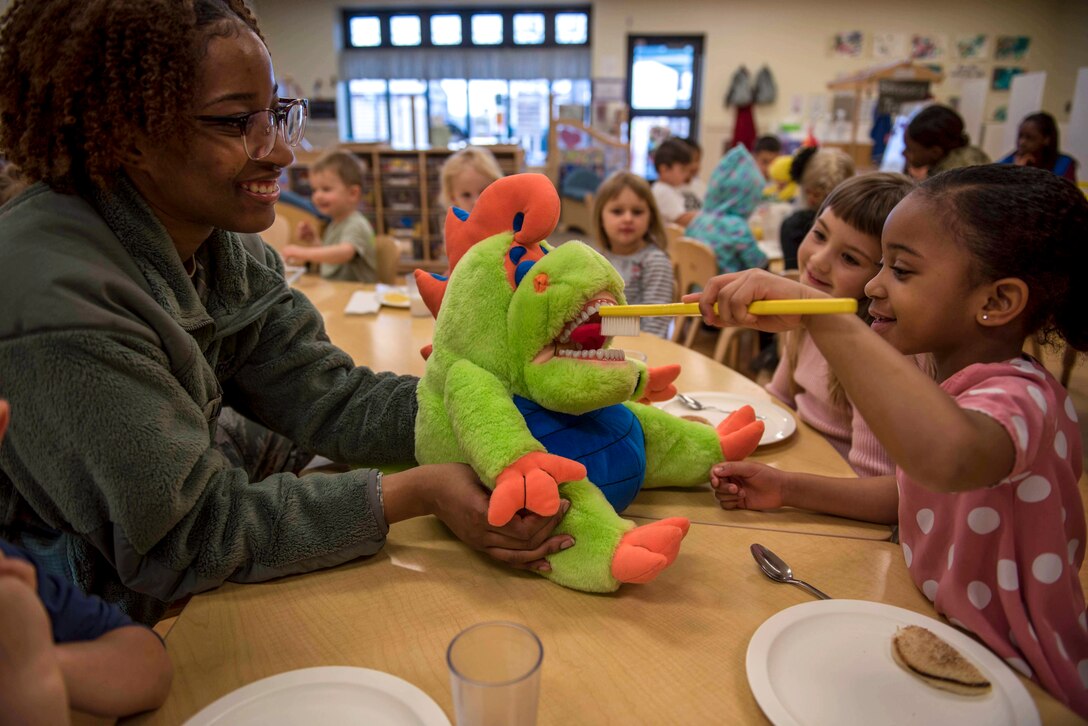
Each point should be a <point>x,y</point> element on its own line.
<point>1001,114</point>
<point>973,47</point>
<point>967,71</point>
<point>928,46</point>
<point>1011,47</point>
<point>847,44</point>
<point>1002,79</point>
<point>890,46</point>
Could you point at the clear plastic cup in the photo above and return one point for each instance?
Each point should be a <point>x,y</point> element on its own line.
<point>495,674</point>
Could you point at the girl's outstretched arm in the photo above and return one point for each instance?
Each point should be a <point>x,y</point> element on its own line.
<point>925,432</point>
<point>750,485</point>
<point>936,442</point>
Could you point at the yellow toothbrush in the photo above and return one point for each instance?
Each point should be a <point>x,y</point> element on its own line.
<point>623,319</point>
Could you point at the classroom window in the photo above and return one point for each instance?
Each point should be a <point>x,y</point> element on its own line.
<point>369,108</point>
<point>405,30</point>
<point>365,32</point>
<point>487,29</point>
<point>528,28</point>
<point>508,26</point>
<point>571,28</point>
<point>446,30</point>
<point>454,111</point>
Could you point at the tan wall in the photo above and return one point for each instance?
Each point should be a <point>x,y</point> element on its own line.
<point>789,35</point>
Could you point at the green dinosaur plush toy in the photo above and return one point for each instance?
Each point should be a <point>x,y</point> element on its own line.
<point>521,385</point>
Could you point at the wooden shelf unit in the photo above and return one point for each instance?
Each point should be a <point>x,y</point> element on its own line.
<point>400,196</point>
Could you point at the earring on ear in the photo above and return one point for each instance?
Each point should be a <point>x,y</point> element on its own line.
<point>985,316</point>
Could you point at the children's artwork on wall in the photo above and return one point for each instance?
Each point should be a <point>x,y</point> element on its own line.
<point>1003,76</point>
<point>847,44</point>
<point>890,46</point>
<point>1011,47</point>
<point>966,71</point>
<point>928,46</point>
<point>973,47</point>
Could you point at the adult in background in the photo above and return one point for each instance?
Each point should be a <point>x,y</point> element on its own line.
<point>1037,145</point>
<point>138,301</point>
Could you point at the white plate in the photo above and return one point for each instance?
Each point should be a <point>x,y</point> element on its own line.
<point>830,662</point>
<point>327,695</point>
<point>779,423</point>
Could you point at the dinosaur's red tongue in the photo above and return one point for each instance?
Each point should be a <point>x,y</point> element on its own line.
<point>588,336</point>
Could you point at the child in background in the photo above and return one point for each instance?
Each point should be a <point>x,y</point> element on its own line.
<point>466,174</point>
<point>695,185</point>
<point>840,254</point>
<point>61,648</point>
<point>347,250</point>
<point>990,516</point>
<point>733,193</point>
<point>821,172</point>
<point>630,231</point>
<point>766,150</point>
<point>672,160</point>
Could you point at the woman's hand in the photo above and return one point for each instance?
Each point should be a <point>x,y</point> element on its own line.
<point>733,292</point>
<point>748,485</point>
<point>454,494</point>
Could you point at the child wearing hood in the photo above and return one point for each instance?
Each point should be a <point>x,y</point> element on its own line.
<point>733,193</point>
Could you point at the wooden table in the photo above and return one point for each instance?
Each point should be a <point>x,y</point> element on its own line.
<point>669,652</point>
<point>391,339</point>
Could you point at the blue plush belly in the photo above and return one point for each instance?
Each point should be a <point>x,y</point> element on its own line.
<point>608,442</point>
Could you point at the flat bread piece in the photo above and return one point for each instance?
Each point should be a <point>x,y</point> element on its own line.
<point>928,657</point>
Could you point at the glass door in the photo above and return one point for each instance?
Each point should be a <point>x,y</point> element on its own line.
<point>664,76</point>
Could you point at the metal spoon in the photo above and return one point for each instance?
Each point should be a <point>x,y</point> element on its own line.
<point>696,405</point>
<point>774,568</point>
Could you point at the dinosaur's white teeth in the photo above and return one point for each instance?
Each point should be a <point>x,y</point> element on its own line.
<point>596,354</point>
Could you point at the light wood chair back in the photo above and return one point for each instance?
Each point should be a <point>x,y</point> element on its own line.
<point>693,264</point>
<point>388,256</point>
<point>673,233</point>
<point>279,234</point>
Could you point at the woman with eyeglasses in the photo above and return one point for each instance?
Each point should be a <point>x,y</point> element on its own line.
<point>168,385</point>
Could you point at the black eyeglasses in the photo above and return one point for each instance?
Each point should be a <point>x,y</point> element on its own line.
<point>258,128</point>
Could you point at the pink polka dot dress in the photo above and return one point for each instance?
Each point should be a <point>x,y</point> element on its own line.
<point>1002,562</point>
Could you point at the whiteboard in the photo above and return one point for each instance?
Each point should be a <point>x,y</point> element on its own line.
<point>1025,98</point>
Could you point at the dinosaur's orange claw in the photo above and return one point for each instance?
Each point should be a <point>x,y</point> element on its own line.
<point>737,420</point>
<point>659,387</point>
<point>738,443</point>
<point>645,551</point>
<point>532,482</point>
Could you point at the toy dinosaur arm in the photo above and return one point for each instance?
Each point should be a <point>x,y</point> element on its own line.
<point>490,430</point>
<point>659,383</point>
<point>493,436</point>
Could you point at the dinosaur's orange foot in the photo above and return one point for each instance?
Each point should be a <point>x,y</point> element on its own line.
<point>647,550</point>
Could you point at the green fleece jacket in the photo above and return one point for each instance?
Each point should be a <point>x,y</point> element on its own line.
<point>117,371</point>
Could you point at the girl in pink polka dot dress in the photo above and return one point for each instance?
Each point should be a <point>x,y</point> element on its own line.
<point>988,459</point>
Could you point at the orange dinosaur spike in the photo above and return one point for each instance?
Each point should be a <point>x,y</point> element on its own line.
<point>530,199</point>
<point>431,289</point>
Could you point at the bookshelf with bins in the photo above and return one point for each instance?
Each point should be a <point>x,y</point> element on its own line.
<point>400,198</point>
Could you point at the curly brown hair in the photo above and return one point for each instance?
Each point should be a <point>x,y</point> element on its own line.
<point>84,78</point>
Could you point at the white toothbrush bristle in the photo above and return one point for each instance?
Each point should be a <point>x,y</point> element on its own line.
<point>620,325</point>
